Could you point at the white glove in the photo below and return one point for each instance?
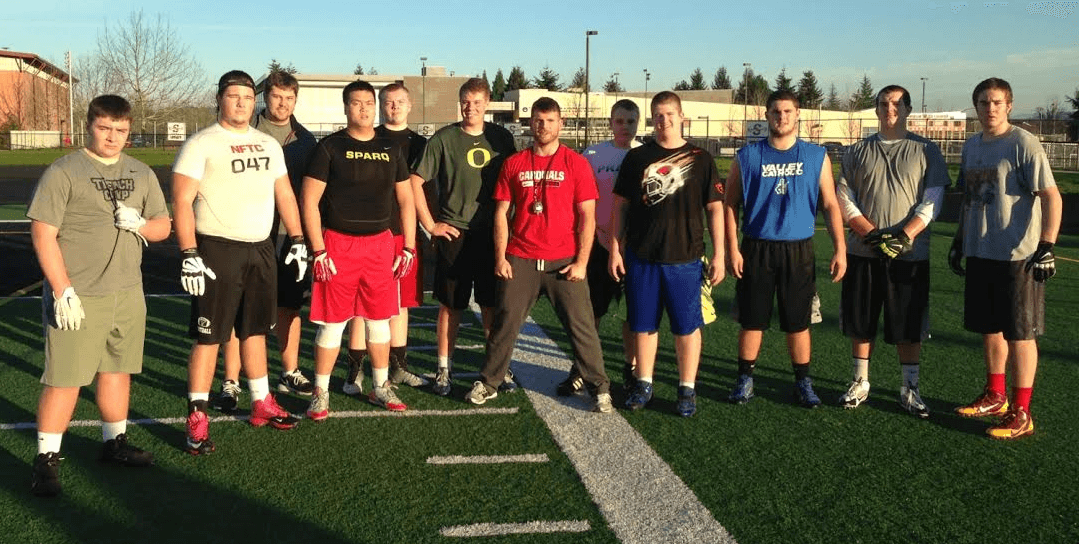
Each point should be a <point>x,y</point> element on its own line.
<point>297,253</point>
<point>193,271</point>
<point>129,219</point>
<point>402,264</point>
<point>324,267</point>
<point>68,311</point>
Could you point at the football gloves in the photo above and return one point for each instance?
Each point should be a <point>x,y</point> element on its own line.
<point>67,308</point>
<point>872,238</point>
<point>194,272</point>
<point>402,264</point>
<point>324,268</point>
<point>955,257</point>
<point>1043,263</point>
<point>891,246</point>
<point>129,219</point>
<point>297,253</point>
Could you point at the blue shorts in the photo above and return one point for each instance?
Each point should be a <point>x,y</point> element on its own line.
<point>652,287</point>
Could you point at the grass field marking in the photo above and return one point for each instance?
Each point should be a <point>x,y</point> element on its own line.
<point>344,414</point>
<point>487,459</point>
<point>532,527</point>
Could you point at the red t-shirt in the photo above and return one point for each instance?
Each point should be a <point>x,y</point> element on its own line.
<point>559,182</point>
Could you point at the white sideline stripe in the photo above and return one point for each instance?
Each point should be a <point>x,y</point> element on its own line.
<point>532,527</point>
<point>343,414</point>
<point>487,459</point>
<point>434,347</point>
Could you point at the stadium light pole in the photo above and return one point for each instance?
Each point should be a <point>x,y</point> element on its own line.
<point>745,100</point>
<point>587,35</point>
<point>614,77</point>
<point>423,76</point>
<point>924,79</point>
<point>647,76</point>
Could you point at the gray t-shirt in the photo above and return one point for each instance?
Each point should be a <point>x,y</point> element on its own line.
<point>277,132</point>
<point>887,182</point>
<point>75,194</point>
<point>999,177</point>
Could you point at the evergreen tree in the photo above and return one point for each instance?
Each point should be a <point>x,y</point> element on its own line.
<point>485,80</point>
<point>862,98</point>
<point>682,85</point>
<point>578,80</point>
<point>1073,123</point>
<point>613,86</point>
<point>721,80</point>
<point>547,79</point>
<point>696,81</point>
<point>517,79</point>
<point>498,88</point>
<point>783,82</point>
<point>758,89</point>
<point>809,93</point>
<point>275,66</point>
<point>359,70</point>
<point>833,102</point>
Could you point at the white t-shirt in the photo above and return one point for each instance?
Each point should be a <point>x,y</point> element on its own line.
<point>606,160</point>
<point>236,173</point>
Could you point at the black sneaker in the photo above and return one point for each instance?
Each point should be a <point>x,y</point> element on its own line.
<point>46,475</point>
<point>354,380</point>
<point>226,399</point>
<point>570,386</point>
<point>119,451</point>
<point>629,380</point>
<point>295,382</point>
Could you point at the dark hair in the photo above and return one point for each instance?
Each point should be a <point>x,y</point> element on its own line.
<point>666,97</point>
<point>626,104</point>
<point>989,84</point>
<point>776,96</point>
<point>474,85</point>
<point>108,105</point>
<point>234,77</point>
<point>546,104</point>
<point>395,86</point>
<point>891,89</point>
<point>283,80</point>
<point>358,85</point>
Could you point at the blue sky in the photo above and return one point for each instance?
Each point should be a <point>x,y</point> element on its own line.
<point>1034,45</point>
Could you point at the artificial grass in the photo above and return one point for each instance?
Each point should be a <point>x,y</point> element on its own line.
<point>40,157</point>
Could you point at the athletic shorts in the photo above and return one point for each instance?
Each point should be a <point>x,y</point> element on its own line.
<point>602,287</point>
<point>652,287</point>
<point>363,286</point>
<point>244,295</point>
<point>410,286</point>
<point>109,340</point>
<point>900,288</point>
<point>1002,296</point>
<point>463,265</point>
<point>776,269</point>
<point>291,294</point>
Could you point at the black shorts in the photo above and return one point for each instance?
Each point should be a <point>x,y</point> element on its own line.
<point>1002,296</point>
<point>781,270</point>
<point>901,288</point>
<point>602,287</point>
<point>465,264</point>
<point>291,294</point>
<point>244,295</point>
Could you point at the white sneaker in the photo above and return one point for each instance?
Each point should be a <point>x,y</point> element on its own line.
<point>603,405</point>
<point>856,394</point>
<point>911,401</point>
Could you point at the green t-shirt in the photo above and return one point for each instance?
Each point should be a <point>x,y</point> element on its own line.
<point>75,194</point>
<point>465,167</point>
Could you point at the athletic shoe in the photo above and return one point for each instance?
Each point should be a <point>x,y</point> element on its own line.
<point>687,401</point>
<point>230,392</point>
<point>641,396</point>
<point>442,384</point>
<point>570,386</point>
<point>267,411</point>
<point>856,394</point>
<point>386,398</point>
<point>400,375</point>
<point>629,380</point>
<point>295,382</point>
<point>198,429</point>
<point>988,404</point>
<point>507,385</point>
<point>603,405</point>
<point>480,393</point>
<point>119,451</point>
<point>354,380</point>
<point>911,401</point>
<point>45,479</point>
<point>743,390</point>
<point>1017,423</point>
<point>804,393</point>
<point>319,409</point>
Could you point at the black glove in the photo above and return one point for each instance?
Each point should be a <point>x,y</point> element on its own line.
<point>872,238</point>
<point>955,257</point>
<point>1043,263</point>
<point>891,246</point>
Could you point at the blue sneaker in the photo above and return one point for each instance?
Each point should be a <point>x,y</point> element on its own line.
<point>641,396</point>
<point>804,391</point>
<point>743,390</point>
<point>687,401</point>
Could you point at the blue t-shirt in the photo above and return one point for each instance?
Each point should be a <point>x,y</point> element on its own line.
<point>780,190</point>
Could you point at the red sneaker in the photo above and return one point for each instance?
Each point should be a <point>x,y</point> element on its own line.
<point>988,404</point>
<point>267,411</point>
<point>1016,424</point>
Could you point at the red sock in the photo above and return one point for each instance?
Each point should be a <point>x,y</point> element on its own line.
<point>996,383</point>
<point>1022,397</point>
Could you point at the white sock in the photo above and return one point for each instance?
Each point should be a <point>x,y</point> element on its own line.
<point>646,379</point>
<point>910,374</point>
<point>443,361</point>
<point>861,369</point>
<point>47,442</point>
<point>260,388</point>
<point>110,430</point>
<point>191,395</point>
<point>322,381</point>
<point>380,376</point>
<point>285,373</point>
<point>691,385</point>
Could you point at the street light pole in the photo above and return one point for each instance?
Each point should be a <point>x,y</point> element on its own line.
<point>587,34</point>
<point>745,100</point>
<point>924,79</point>
<point>647,76</point>
<point>423,76</point>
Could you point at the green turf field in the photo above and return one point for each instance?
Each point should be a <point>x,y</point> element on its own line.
<point>23,157</point>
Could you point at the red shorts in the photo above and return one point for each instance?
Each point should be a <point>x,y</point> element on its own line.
<point>363,286</point>
<point>411,286</point>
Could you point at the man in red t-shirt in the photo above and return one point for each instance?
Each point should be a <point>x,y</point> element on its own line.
<point>544,251</point>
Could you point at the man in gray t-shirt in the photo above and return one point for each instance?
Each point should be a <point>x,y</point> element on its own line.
<point>1008,225</point>
<point>890,188</point>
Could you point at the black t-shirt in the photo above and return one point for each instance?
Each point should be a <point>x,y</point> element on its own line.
<point>667,190</point>
<point>411,145</point>
<point>360,178</point>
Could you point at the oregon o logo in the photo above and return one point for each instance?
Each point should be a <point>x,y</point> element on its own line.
<point>475,161</point>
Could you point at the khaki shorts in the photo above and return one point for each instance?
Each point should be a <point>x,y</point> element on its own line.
<point>109,340</point>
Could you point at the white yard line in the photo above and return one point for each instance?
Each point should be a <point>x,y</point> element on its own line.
<point>532,527</point>
<point>487,459</point>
